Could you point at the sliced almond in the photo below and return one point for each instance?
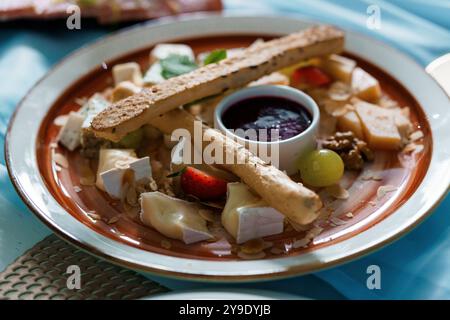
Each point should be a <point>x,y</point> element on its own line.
<point>60,121</point>
<point>120,164</point>
<point>340,91</point>
<point>93,215</point>
<point>419,148</point>
<point>413,148</point>
<point>153,186</point>
<point>341,111</point>
<point>337,222</point>
<point>416,135</point>
<point>336,191</point>
<point>301,243</point>
<point>349,215</point>
<point>113,220</point>
<point>81,101</point>
<point>77,189</point>
<point>383,190</point>
<point>60,160</point>
<point>370,175</point>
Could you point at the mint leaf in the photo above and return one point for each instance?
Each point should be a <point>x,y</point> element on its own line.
<point>175,65</point>
<point>215,56</point>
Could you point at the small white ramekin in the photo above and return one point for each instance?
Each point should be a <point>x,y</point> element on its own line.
<point>289,150</point>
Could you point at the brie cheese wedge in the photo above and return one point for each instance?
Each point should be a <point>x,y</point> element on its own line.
<point>110,159</point>
<point>70,134</point>
<point>247,217</point>
<point>116,181</point>
<point>174,218</point>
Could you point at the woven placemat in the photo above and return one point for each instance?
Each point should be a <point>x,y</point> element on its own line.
<point>42,273</point>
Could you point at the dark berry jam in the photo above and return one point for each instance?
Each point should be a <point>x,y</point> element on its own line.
<point>289,117</point>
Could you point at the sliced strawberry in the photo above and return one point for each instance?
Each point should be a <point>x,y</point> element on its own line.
<point>310,75</point>
<point>202,185</point>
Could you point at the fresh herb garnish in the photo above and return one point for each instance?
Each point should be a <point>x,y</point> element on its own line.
<point>176,173</point>
<point>215,56</point>
<point>175,65</point>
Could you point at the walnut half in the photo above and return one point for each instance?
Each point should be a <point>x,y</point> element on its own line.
<point>353,151</point>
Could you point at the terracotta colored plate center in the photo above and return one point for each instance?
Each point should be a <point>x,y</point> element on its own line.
<point>403,172</point>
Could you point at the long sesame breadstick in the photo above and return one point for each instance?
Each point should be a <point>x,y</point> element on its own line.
<point>254,62</point>
<point>292,199</point>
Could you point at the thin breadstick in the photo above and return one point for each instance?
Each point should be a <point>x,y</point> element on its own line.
<point>254,62</point>
<point>292,199</point>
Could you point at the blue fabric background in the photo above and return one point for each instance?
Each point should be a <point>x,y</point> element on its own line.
<point>415,267</point>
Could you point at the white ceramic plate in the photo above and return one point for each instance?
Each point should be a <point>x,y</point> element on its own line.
<point>22,143</point>
<point>225,294</point>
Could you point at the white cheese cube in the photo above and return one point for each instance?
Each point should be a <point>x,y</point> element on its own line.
<point>108,159</point>
<point>365,86</point>
<point>247,217</point>
<point>163,50</point>
<point>130,71</point>
<point>117,180</point>
<point>70,134</point>
<point>339,67</point>
<point>174,218</point>
<point>258,222</point>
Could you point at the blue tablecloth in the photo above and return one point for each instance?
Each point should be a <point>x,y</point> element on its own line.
<point>417,266</point>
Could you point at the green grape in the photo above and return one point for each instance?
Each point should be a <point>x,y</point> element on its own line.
<point>321,168</point>
<point>132,140</point>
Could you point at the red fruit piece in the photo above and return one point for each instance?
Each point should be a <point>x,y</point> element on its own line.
<point>310,75</point>
<point>202,185</point>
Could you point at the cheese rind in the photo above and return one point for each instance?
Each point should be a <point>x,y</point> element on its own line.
<point>70,134</point>
<point>174,218</point>
<point>108,158</point>
<point>115,181</point>
<point>247,217</point>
